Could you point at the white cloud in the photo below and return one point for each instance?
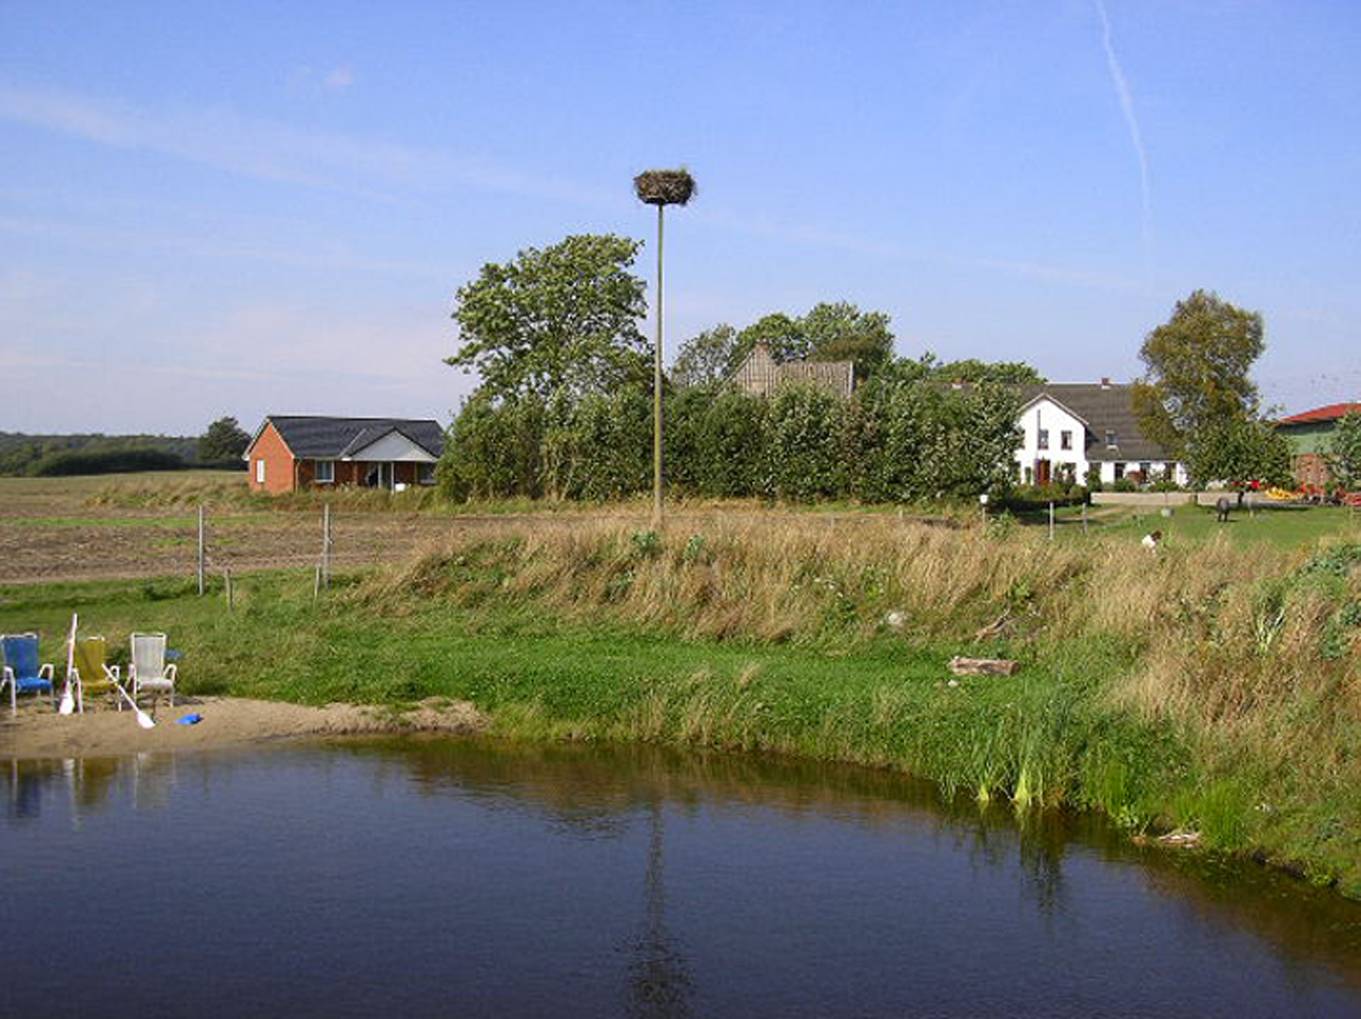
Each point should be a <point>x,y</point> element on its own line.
<point>269,150</point>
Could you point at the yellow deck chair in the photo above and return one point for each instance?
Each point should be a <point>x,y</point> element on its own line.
<point>91,672</point>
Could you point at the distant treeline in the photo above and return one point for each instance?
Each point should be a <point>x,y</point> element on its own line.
<point>45,455</point>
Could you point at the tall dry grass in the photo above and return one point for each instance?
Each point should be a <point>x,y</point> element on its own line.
<point>1254,641</point>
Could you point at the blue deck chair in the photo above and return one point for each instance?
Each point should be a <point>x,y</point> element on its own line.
<point>22,673</point>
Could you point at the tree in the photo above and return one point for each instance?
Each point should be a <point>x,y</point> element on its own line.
<point>708,358</point>
<point>557,320</point>
<point>842,332</point>
<point>1239,452</point>
<point>1012,373</point>
<point>223,441</point>
<point>1196,371</point>
<point>783,335</point>
<point>1344,452</point>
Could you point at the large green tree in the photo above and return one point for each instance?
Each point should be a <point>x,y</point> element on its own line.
<point>1239,451</point>
<point>555,321</point>
<point>840,331</point>
<point>1196,371</point>
<point>830,331</point>
<point>708,358</point>
<point>224,440</point>
<point>781,333</point>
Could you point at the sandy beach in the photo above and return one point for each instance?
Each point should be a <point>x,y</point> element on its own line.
<point>38,731</point>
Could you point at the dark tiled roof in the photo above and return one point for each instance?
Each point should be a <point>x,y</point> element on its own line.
<point>1321,415</point>
<point>311,437</point>
<point>1104,408</point>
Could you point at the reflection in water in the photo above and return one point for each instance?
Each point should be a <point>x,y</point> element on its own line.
<point>660,980</point>
<point>644,881</point>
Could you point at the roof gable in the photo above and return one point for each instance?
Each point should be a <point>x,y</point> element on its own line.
<point>760,374</point>
<point>387,445</point>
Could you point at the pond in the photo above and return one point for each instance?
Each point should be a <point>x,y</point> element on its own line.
<point>456,877</point>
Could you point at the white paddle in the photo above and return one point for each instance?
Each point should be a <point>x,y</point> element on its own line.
<point>143,719</point>
<point>68,703</point>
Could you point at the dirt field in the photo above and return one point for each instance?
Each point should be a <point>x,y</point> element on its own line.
<point>75,529</point>
<point>145,525</point>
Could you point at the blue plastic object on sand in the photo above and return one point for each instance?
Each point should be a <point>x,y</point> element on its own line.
<point>190,719</point>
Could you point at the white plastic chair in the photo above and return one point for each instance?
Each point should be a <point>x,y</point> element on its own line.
<point>148,670</point>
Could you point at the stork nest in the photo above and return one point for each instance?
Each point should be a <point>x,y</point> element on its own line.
<point>664,187</point>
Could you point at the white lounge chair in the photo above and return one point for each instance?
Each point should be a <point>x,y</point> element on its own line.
<point>148,670</point>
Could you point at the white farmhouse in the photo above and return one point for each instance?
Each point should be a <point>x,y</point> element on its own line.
<point>1072,427</point>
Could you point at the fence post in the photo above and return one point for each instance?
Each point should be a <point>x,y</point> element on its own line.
<point>200,550</point>
<point>326,544</point>
<point>1084,516</point>
<point>227,583</point>
<point>1051,520</point>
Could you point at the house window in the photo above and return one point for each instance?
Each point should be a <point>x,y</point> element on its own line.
<point>1146,469</point>
<point>1119,471</point>
<point>1044,438</point>
<point>259,472</point>
<point>425,474</point>
<point>1110,438</point>
<point>1065,440</point>
<point>326,472</point>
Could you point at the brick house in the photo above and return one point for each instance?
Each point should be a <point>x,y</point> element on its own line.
<point>289,452</point>
<point>1309,433</point>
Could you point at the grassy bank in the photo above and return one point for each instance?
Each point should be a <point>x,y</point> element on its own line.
<point>1212,688</point>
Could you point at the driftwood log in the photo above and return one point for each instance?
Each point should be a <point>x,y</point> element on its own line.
<point>983,666</point>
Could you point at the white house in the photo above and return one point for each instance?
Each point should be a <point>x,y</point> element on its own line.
<point>1072,427</point>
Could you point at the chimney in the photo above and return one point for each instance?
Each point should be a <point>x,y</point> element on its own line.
<point>1105,382</point>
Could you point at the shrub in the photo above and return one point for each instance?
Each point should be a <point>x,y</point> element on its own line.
<point>112,461</point>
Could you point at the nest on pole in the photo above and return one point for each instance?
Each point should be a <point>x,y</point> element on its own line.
<point>664,187</point>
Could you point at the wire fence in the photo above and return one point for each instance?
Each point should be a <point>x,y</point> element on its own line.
<point>205,546</point>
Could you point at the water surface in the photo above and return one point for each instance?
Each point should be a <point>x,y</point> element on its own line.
<point>451,877</point>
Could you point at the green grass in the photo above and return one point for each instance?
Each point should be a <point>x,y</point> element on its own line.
<point>1283,527</point>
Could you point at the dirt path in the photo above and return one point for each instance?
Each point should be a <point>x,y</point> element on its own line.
<point>38,731</point>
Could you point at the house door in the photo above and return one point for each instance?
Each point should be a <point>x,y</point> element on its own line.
<point>379,475</point>
<point>1042,475</point>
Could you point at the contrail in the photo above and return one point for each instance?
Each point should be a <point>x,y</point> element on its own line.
<point>1132,122</point>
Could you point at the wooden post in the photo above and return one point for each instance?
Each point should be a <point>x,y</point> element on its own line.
<point>200,551</point>
<point>657,390</point>
<point>227,584</point>
<point>1084,516</point>
<point>1051,520</point>
<point>316,583</point>
<point>326,544</point>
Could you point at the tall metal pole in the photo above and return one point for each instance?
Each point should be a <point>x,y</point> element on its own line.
<point>657,390</point>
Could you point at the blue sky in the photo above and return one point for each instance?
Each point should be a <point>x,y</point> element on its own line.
<point>249,208</point>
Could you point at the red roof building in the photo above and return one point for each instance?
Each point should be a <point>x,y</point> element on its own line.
<point>1309,434</point>
<point>1319,415</point>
